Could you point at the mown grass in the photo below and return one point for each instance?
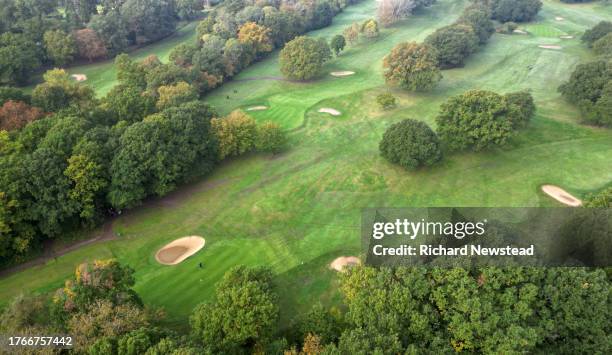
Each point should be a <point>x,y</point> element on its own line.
<point>299,210</point>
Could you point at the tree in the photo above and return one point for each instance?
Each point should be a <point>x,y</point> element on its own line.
<point>18,58</point>
<point>149,20</point>
<point>258,37</point>
<point>60,46</point>
<point>325,323</point>
<point>270,138</point>
<point>130,73</point>
<point>598,31</point>
<point>89,44</point>
<point>236,134</point>
<point>175,95</point>
<point>411,144</point>
<point>522,108</point>
<point>236,56</point>
<point>603,46</point>
<point>479,17</point>
<point>87,177</point>
<point>476,120</point>
<point>59,91</point>
<point>386,101</point>
<point>182,54</point>
<point>302,58</point>
<point>16,114</point>
<point>391,11</point>
<point>515,10</point>
<point>243,313</point>
<point>112,30</point>
<point>188,9</point>
<point>129,103</point>
<point>351,33</point>
<point>370,28</point>
<point>79,12</point>
<point>9,93</point>
<point>453,44</point>
<point>412,66</point>
<point>337,44</point>
<point>210,57</point>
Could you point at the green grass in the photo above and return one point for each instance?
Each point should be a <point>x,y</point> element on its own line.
<point>298,211</point>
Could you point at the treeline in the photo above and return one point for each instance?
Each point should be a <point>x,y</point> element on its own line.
<point>590,85</point>
<point>86,158</point>
<point>57,32</point>
<point>384,311</point>
<point>240,32</point>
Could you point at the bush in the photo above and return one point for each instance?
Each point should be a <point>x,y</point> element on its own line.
<point>453,44</point>
<point>515,10</point>
<point>410,144</point>
<point>590,36</point>
<point>302,58</point>
<point>10,93</point>
<point>386,101</point>
<point>476,120</point>
<point>270,138</point>
<point>521,107</point>
<point>412,66</point>
<point>337,44</point>
<point>600,199</point>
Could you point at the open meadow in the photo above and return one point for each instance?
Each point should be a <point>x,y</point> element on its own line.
<point>298,210</point>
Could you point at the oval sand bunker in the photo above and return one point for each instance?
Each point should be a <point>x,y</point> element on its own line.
<point>342,73</point>
<point>331,111</point>
<point>178,250</point>
<point>257,108</point>
<point>340,264</point>
<point>561,195</point>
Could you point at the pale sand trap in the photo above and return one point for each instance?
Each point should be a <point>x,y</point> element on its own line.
<point>521,32</point>
<point>257,108</point>
<point>342,73</point>
<point>561,195</point>
<point>178,250</point>
<point>79,77</point>
<point>559,18</point>
<point>331,111</point>
<point>566,37</point>
<point>549,47</point>
<point>342,262</point>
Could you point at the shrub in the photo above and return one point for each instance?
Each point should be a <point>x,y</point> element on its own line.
<point>270,138</point>
<point>337,44</point>
<point>600,199</point>
<point>410,144</point>
<point>476,120</point>
<point>412,66</point>
<point>453,44</point>
<point>302,58</point>
<point>590,36</point>
<point>386,101</point>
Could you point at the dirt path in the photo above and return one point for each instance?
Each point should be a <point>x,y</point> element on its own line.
<point>50,253</point>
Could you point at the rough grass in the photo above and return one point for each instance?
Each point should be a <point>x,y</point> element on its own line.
<point>297,211</point>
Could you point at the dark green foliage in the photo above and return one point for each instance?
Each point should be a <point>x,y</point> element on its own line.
<point>130,73</point>
<point>337,44</point>
<point>601,199</point>
<point>270,138</point>
<point>148,20</point>
<point>475,120</point>
<point>386,101</point>
<point>18,58</point>
<point>453,44</point>
<point>479,17</point>
<point>112,29</point>
<point>9,93</point>
<point>412,66</point>
<point>303,58</point>
<point>603,46</point>
<point>244,312</point>
<point>598,31</point>
<point>129,103</point>
<point>322,322</point>
<point>410,144</point>
<point>522,108</point>
<point>590,88</point>
<point>515,10</point>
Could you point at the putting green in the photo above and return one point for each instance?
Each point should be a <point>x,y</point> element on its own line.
<point>300,210</point>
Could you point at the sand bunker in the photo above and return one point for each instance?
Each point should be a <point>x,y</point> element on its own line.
<point>521,32</point>
<point>342,73</point>
<point>342,262</point>
<point>549,47</point>
<point>178,250</point>
<point>79,77</point>
<point>566,37</point>
<point>559,18</point>
<point>561,195</point>
<point>331,111</point>
<point>257,108</point>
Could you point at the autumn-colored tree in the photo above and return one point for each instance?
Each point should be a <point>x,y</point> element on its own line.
<point>303,57</point>
<point>174,95</point>
<point>412,66</point>
<point>89,44</point>
<point>370,28</point>
<point>256,35</point>
<point>351,33</point>
<point>85,175</point>
<point>236,134</point>
<point>16,114</point>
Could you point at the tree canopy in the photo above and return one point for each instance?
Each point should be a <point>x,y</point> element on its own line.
<point>302,58</point>
<point>410,144</point>
<point>412,66</point>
